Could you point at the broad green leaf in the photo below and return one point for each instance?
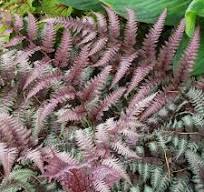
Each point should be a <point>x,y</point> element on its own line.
<point>148,10</point>
<point>94,5</point>
<point>55,8</point>
<point>196,8</point>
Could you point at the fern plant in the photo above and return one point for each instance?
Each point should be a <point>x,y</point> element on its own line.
<point>83,106</point>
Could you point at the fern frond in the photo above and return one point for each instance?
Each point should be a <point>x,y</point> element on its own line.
<point>101,24</point>
<point>139,74</point>
<point>155,106</point>
<point>85,144</point>
<point>105,104</point>
<point>107,56</point>
<point>116,166</point>
<point>79,64</point>
<point>101,186</point>
<point>98,46</point>
<point>94,86</point>
<point>130,30</point>
<point>14,41</point>
<point>62,52</point>
<point>196,96</point>
<point>123,68</point>
<point>7,157</point>
<point>32,29</point>
<point>152,38</point>
<point>36,156</point>
<point>74,114</point>
<point>122,149</point>
<point>188,59</point>
<point>167,52</point>
<point>45,82</point>
<point>13,132</point>
<point>18,23</point>
<point>48,38</point>
<point>71,23</point>
<point>114,24</point>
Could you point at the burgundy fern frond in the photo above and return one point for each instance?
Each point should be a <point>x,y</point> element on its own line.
<point>79,64</point>
<point>7,157</point>
<point>158,102</point>
<point>95,85</point>
<point>139,74</point>
<point>143,91</point>
<point>13,132</point>
<point>114,24</point>
<point>34,74</point>
<point>101,24</point>
<point>62,52</point>
<point>105,104</point>
<point>74,114</point>
<point>90,37</point>
<point>47,108</point>
<point>32,29</point>
<point>167,51</point>
<point>44,82</point>
<point>107,56</point>
<point>42,114</point>
<point>56,166</point>
<point>71,23</point>
<point>149,44</point>
<point>188,59</point>
<point>64,94</point>
<point>48,38</point>
<point>98,46</point>
<point>130,31</point>
<point>18,23</point>
<point>123,68</point>
<point>14,41</point>
<point>136,110</point>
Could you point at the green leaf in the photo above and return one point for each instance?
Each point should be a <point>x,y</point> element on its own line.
<point>54,8</point>
<point>148,10</point>
<point>196,8</point>
<point>94,5</point>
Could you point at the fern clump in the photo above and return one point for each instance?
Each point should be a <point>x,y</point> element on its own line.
<point>82,104</point>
